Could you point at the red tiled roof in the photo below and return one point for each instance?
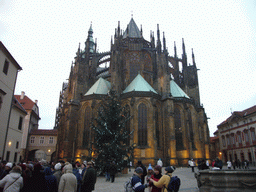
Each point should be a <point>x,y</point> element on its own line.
<point>44,132</point>
<point>26,102</point>
<point>243,113</point>
<point>213,139</point>
<point>16,103</point>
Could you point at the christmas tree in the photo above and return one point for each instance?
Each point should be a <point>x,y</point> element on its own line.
<point>111,136</point>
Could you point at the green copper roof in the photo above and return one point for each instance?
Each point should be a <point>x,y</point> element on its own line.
<point>139,84</point>
<point>100,87</point>
<point>176,91</point>
<point>132,30</point>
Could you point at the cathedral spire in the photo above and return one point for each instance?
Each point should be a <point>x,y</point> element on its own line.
<point>184,55</point>
<point>193,58</point>
<point>164,42</point>
<point>141,30</point>
<point>89,42</point>
<point>175,50</point>
<point>118,29</point>
<point>158,40</point>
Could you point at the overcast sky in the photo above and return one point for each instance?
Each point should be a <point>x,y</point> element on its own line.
<point>43,37</point>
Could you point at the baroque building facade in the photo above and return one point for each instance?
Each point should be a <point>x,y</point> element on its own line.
<point>161,92</point>
<point>237,136</point>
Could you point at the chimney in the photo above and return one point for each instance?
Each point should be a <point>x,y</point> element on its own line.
<point>36,101</point>
<point>22,95</point>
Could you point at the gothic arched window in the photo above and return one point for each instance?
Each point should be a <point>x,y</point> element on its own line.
<point>142,125</point>
<point>128,125</point>
<point>191,133</point>
<point>157,128</point>
<point>87,121</point>
<point>178,131</point>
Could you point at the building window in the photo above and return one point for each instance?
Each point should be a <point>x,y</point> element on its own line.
<point>7,156</point>
<point>239,138</point>
<point>41,141</point>
<point>51,140</point>
<point>223,141</point>
<point>32,139</point>
<point>20,123</point>
<point>253,135</point>
<point>17,144</point>
<point>246,136</point>
<point>178,130</point>
<point>142,125</point>
<point>128,129</point>
<point>6,67</point>
<point>87,120</point>
<point>191,132</point>
<point>157,129</point>
<point>228,140</point>
<point>15,157</point>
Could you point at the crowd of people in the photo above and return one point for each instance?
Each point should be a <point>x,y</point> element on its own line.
<point>53,177</point>
<point>151,178</point>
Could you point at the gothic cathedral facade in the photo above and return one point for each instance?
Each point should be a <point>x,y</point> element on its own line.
<point>161,91</point>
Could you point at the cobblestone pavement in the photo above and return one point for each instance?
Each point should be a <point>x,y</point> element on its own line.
<point>188,181</point>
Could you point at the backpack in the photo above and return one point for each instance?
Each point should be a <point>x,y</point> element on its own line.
<point>128,186</point>
<point>174,184</point>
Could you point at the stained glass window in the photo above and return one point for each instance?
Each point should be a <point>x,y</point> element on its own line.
<point>142,125</point>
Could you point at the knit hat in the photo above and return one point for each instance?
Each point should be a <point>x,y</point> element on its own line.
<point>149,167</point>
<point>8,165</point>
<point>158,168</point>
<point>170,169</point>
<point>57,166</point>
<point>16,169</point>
<point>139,170</point>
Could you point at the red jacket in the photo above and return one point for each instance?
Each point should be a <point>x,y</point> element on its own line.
<point>154,188</point>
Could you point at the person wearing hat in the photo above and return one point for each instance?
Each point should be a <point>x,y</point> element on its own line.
<point>89,178</point>
<point>57,172</point>
<point>165,179</point>
<point>156,176</point>
<point>7,169</point>
<point>12,181</point>
<point>136,180</point>
<point>144,171</point>
<point>68,182</point>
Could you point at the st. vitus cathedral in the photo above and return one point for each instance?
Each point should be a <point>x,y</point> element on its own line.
<point>161,92</point>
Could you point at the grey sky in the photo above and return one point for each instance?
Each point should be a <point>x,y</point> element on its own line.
<point>43,37</point>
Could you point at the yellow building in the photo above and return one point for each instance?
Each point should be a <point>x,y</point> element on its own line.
<point>161,92</point>
<point>42,144</point>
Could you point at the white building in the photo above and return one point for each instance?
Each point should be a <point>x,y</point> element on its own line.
<point>15,130</point>
<point>9,69</point>
<point>237,136</point>
<point>30,122</point>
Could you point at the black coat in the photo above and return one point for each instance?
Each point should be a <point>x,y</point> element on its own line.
<point>89,179</point>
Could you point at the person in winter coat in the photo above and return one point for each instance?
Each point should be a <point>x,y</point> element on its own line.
<point>13,181</point>
<point>51,180</point>
<point>89,178</point>
<point>165,179</point>
<point>37,181</point>
<point>68,182</point>
<point>112,171</point>
<point>156,176</point>
<point>57,172</point>
<point>7,169</point>
<point>136,180</point>
<point>144,171</point>
<point>78,176</point>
